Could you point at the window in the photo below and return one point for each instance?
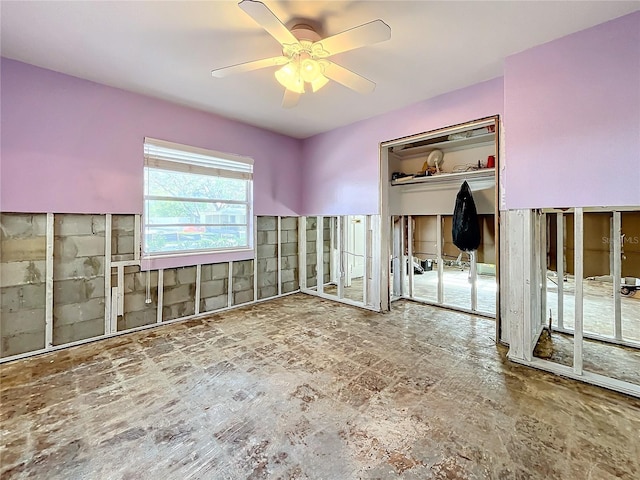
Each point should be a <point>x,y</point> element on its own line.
<point>195,200</point>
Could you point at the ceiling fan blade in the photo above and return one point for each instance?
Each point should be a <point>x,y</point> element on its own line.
<point>290,98</point>
<point>348,78</point>
<point>248,66</point>
<point>267,20</point>
<point>367,34</point>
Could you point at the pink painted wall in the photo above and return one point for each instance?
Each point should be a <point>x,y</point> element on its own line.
<point>340,169</point>
<point>73,146</point>
<point>572,116</point>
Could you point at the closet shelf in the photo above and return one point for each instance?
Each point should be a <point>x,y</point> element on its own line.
<point>474,178</point>
<point>442,143</point>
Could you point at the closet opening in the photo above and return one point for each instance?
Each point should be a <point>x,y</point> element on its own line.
<point>421,177</point>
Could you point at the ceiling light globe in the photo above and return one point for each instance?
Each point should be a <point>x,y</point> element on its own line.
<point>310,70</point>
<point>288,77</point>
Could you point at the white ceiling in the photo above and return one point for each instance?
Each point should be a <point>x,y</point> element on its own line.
<point>167,49</point>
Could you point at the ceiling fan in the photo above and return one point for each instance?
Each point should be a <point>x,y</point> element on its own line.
<point>304,61</point>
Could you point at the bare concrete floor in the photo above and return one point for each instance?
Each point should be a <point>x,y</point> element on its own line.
<point>304,388</point>
<point>615,361</point>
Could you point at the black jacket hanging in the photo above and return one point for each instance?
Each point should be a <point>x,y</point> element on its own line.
<point>466,229</point>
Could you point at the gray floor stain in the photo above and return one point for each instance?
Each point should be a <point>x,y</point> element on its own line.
<point>303,388</point>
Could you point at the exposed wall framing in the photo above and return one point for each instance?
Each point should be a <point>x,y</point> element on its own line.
<point>528,260</point>
<point>68,279</point>
<point>324,256</point>
<point>405,284</point>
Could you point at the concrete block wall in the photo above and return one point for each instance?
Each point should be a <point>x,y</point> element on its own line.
<point>179,293</point>
<point>242,282</point>
<point>179,286</point>
<point>267,255</point>
<point>137,312</point>
<point>122,237</point>
<point>289,255</point>
<point>22,282</point>
<point>78,277</point>
<point>214,286</point>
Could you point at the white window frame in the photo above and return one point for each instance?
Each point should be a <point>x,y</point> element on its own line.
<point>170,156</point>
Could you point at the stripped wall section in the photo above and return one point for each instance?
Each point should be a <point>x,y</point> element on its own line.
<point>80,309</point>
<point>78,277</point>
<point>267,255</point>
<point>312,255</point>
<point>289,254</point>
<point>122,237</point>
<point>178,298</point>
<point>139,309</point>
<point>214,284</point>
<point>326,249</point>
<point>22,282</point>
<point>242,282</point>
<point>312,250</point>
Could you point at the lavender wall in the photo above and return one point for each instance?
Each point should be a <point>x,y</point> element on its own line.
<point>340,170</point>
<point>74,146</point>
<point>572,115</point>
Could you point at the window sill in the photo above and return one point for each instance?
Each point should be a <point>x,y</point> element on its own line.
<point>159,262</point>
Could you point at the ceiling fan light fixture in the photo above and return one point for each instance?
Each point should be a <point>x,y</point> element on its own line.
<point>305,53</point>
<point>289,77</point>
<point>310,70</point>
<point>319,82</point>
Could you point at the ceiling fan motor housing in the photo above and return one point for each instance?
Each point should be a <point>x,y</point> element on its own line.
<point>303,31</point>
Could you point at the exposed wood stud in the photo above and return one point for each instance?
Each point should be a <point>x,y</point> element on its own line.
<point>279,243</point>
<point>473,272</point>
<point>503,325</point>
<point>107,274</point>
<point>136,238</point>
<point>579,295</point>
<point>113,321</point>
<point>366,277</point>
<point>396,256</point>
<point>560,266</point>
<point>615,244</point>
<point>255,258</point>
<point>379,283</point>
<point>198,286</point>
<point>320,254</point>
<point>120,310</point>
<point>302,253</point>
<point>230,285</point>
<point>48,309</point>
<point>410,253</point>
<point>531,292</point>
<point>439,258</point>
<point>383,236</point>
<point>160,295</point>
<point>125,263</point>
<point>341,255</point>
<point>402,256</point>
<point>333,254</point>
<point>543,269</point>
<point>534,273</point>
